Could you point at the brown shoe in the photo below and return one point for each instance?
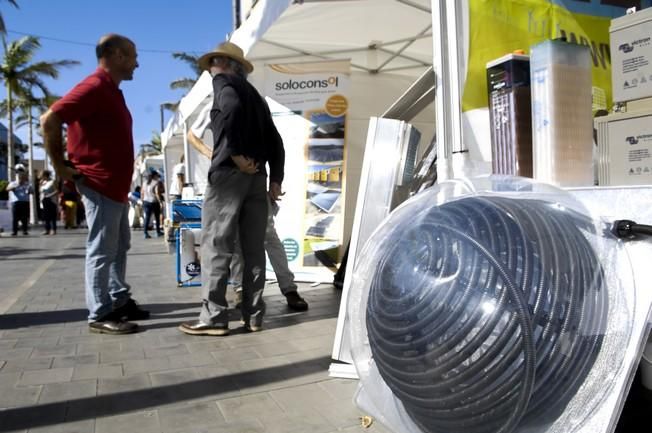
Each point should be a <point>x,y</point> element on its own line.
<point>110,325</point>
<point>198,327</point>
<point>296,302</point>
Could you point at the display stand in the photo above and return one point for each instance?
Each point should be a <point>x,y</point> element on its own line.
<point>188,261</point>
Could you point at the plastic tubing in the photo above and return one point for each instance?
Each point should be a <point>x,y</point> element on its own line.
<point>487,313</point>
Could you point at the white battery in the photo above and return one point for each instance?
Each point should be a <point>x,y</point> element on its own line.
<point>625,149</point>
<point>631,56</point>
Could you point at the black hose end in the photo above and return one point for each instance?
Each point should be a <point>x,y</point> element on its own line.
<point>623,229</point>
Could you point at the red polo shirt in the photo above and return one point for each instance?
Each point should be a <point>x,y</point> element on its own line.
<point>100,141</point>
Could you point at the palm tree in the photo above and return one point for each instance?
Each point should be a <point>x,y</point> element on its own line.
<point>3,29</point>
<point>191,60</point>
<point>21,77</point>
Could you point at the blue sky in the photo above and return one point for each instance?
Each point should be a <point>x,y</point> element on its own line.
<point>158,27</point>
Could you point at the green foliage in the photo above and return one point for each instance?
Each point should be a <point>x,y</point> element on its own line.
<point>4,194</point>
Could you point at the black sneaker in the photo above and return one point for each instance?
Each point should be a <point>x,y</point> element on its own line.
<point>296,302</point>
<point>131,311</point>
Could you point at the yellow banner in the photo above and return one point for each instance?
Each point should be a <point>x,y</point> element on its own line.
<point>499,27</point>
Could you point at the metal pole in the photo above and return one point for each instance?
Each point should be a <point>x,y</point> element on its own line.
<point>30,142</point>
<point>448,109</point>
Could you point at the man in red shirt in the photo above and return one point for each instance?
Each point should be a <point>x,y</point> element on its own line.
<point>100,158</point>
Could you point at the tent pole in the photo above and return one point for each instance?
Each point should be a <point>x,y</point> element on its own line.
<point>186,157</point>
<point>448,114</point>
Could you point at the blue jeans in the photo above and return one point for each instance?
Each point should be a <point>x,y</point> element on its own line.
<point>106,253</point>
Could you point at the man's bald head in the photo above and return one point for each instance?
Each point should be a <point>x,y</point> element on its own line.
<point>109,44</point>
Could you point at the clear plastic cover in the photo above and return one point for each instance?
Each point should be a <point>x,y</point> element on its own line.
<point>496,304</point>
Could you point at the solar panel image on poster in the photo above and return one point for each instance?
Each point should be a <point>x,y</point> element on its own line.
<point>326,200</point>
<point>325,126</point>
<point>319,229</point>
<point>328,153</point>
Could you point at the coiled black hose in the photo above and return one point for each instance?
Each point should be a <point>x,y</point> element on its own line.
<point>487,313</point>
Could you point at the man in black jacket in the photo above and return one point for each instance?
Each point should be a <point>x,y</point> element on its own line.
<point>245,140</point>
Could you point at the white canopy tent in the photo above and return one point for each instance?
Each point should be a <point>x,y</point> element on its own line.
<point>192,107</point>
<point>389,44</point>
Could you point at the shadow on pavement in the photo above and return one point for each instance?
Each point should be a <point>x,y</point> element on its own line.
<point>24,418</point>
<point>23,320</point>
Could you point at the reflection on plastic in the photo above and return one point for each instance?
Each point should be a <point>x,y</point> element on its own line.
<point>484,313</point>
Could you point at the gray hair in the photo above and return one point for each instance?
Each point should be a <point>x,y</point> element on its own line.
<point>227,62</point>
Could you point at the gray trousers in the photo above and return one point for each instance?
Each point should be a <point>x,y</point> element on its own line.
<point>275,252</point>
<point>234,202</point>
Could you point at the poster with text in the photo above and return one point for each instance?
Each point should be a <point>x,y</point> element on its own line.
<point>309,104</point>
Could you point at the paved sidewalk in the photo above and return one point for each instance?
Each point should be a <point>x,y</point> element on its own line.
<point>57,377</point>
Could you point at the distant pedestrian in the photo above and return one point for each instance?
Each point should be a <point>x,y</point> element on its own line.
<point>178,180</point>
<point>48,192</point>
<point>68,202</point>
<point>152,196</point>
<point>19,191</point>
<point>101,153</point>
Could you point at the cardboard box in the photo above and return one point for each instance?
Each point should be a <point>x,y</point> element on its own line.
<point>625,149</point>
<point>631,56</point>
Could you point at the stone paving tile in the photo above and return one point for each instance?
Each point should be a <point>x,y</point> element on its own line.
<point>259,405</point>
<point>97,347</point>
<point>17,397</point>
<point>247,426</point>
<point>37,341</point>
<point>74,360</point>
<point>21,353</point>
<point>78,339</point>
<point>7,344</point>
<point>8,379</point>
<point>300,421</point>
<point>23,333</point>
<point>109,357</point>
<point>191,360</point>
<point>340,389</point>
<point>27,364</point>
<point>176,349</point>
<point>141,422</point>
<point>340,414</point>
<point>42,377</point>
<point>97,371</point>
<point>123,384</point>
<point>204,345</point>
<point>190,417</point>
<point>65,331</point>
<point>55,350</point>
<point>85,426</point>
<point>274,349</point>
<point>304,396</point>
<point>228,356</point>
<point>173,377</point>
<point>136,366</point>
<point>61,392</point>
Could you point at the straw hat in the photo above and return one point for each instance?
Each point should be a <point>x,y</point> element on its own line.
<point>226,49</point>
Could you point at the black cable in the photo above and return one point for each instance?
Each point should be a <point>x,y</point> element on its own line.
<point>487,313</point>
<point>627,229</point>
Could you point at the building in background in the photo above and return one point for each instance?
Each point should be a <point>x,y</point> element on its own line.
<point>19,150</point>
